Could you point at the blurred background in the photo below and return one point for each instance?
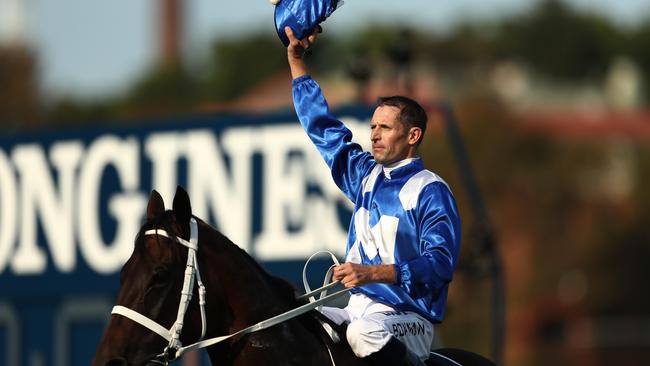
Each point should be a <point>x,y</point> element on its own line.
<point>550,99</point>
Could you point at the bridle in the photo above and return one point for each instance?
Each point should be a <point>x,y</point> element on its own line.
<point>174,348</point>
<point>173,334</point>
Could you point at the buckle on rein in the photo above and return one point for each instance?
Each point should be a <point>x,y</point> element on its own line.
<point>167,355</point>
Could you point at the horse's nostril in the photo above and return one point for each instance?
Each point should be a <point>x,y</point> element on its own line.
<point>117,362</point>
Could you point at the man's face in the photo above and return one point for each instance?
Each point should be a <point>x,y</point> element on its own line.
<point>391,141</point>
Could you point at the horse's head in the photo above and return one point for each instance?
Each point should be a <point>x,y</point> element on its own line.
<point>150,288</point>
<point>153,316</point>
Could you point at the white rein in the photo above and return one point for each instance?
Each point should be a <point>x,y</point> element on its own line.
<point>173,334</point>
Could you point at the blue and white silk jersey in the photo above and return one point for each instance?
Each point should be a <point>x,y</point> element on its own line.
<point>404,214</point>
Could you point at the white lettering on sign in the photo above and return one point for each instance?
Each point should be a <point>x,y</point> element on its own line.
<point>51,199</point>
<point>126,207</point>
<point>212,185</point>
<point>8,209</point>
<point>39,195</point>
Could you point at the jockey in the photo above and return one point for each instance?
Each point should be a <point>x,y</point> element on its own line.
<point>404,234</point>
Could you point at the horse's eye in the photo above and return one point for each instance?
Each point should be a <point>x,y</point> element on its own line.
<point>160,276</point>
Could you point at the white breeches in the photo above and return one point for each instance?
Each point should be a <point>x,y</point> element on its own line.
<point>372,324</point>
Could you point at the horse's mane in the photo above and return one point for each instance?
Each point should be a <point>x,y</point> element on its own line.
<point>284,288</point>
<point>288,292</point>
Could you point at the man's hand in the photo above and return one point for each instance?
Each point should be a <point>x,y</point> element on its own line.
<point>353,275</point>
<point>296,50</point>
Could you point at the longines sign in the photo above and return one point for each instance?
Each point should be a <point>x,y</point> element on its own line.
<point>78,198</point>
<point>71,203</point>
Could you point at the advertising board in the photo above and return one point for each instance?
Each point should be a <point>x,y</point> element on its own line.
<point>72,201</point>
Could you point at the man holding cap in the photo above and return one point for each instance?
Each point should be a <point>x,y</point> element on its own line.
<point>404,235</point>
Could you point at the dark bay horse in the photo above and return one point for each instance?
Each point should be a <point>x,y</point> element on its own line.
<point>153,285</point>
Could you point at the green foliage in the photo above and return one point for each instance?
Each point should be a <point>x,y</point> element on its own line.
<point>554,40</point>
<point>561,43</point>
<point>237,64</point>
<point>72,112</point>
<point>164,85</point>
<point>466,45</point>
<point>640,51</point>
<point>165,91</point>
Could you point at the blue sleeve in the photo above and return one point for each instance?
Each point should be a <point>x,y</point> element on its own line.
<point>348,163</point>
<point>439,228</point>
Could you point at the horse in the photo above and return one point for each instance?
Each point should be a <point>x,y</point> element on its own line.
<point>157,313</point>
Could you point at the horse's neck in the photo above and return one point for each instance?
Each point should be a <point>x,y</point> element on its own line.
<point>250,294</point>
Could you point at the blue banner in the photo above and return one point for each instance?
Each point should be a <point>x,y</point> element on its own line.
<point>72,201</point>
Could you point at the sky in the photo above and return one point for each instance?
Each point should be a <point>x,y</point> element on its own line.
<point>97,48</point>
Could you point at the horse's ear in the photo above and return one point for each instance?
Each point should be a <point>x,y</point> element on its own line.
<point>182,208</point>
<point>156,206</point>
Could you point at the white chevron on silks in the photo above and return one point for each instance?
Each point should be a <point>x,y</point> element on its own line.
<point>378,240</point>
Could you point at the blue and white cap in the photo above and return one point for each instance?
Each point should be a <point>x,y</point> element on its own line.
<point>301,15</point>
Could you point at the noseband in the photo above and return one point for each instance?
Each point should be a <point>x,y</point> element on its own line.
<point>173,334</point>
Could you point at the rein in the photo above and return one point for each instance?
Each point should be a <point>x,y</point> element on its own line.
<point>175,349</point>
